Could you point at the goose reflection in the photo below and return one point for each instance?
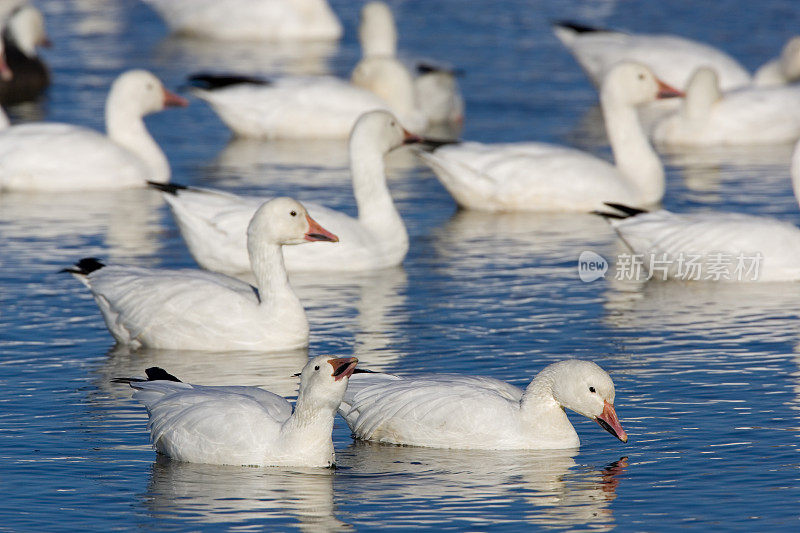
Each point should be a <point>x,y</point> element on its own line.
<point>119,225</point>
<point>253,58</point>
<point>555,491</point>
<point>211,494</point>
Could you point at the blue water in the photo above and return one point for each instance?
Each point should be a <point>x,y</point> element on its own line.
<point>707,377</point>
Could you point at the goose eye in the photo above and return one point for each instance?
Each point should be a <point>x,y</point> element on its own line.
<point>641,76</point>
<point>294,214</point>
<point>150,86</point>
<point>394,123</point>
<point>316,367</point>
<point>591,389</point>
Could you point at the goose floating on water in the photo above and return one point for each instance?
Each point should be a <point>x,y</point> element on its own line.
<point>470,412</point>
<point>199,310</point>
<point>239,425</point>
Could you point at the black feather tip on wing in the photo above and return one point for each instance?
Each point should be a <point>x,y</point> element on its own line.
<point>169,188</point>
<point>204,80</point>
<point>153,373</point>
<point>578,27</point>
<point>85,266</point>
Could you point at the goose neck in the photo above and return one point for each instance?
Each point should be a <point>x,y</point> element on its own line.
<point>376,209</point>
<point>266,260</point>
<point>634,157</point>
<point>125,126</point>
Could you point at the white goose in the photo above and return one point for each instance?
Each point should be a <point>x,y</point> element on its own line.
<point>469,412</point>
<point>437,92</point>
<point>61,157</point>
<point>545,177</point>
<point>251,20</point>
<point>751,115</point>
<point>199,310</point>
<point>713,246</point>
<point>672,58</point>
<point>240,425</point>
<point>213,223</point>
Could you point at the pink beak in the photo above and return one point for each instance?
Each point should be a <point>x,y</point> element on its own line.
<point>411,138</point>
<point>173,100</point>
<point>608,421</point>
<point>668,91</point>
<point>318,233</point>
<point>5,72</point>
<point>343,367</point>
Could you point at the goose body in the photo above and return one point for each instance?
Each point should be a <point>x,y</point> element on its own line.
<point>24,32</point>
<point>672,58</point>
<point>544,177</point>
<point>213,223</point>
<point>751,115</point>
<point>51,157</point>
<point>251,20</point>
<point>198,310</point>
<point>469,412</point>
<point>239,425</point>
<point>724,247</point>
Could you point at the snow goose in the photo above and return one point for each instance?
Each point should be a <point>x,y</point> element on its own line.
<point>672,58</point>
<point>240,425</point>
<point>750,115</point>
<point>199,310</point>
<point>251,20</point>
<point>436,88</point>
<point>310,107</point>
<point>712,246</point>
<point>24,32</point>
<point>62,157</point>
<point>213,223</point>
<point>469,412</point>
<point>545,177</point>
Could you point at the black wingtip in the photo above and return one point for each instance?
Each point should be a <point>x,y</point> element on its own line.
<point>577,27</point>
<point>156,373</point>
<point>429,68</point>
<point>208,81</point>
<point>85,266</point>
<point>429,145</point>
<point>627,210</point>
<point>153,373</point>
<point>169,188</point>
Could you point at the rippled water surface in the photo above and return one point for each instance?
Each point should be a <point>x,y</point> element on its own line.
<point>708,377</point>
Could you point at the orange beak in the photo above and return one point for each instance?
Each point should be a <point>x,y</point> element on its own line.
<point>173,100</point>
<point>318,233</point>
<point>343,367</point>
<point>668,91</point>
<point>608,421</point>
<point>410,138</point>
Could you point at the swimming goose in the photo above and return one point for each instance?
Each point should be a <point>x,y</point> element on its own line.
<point>61,157</point>
<point>240,425</point>
<point>470,412</point>
<point>672,58</point>
<point>436,89</point>
<point>712,246</point>
<point>750,115</point>
<point>24,32</point>
<point>213,223</point>
<point>544,177</point>
<point>251,20</point>
<point>199,310</point>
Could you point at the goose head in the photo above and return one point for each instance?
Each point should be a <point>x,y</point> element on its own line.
<point>701,93</point>
<point>139,92</point>
<point>285,221</point>
<point>790,59</point>
<point>323,381</point>
<point>377,32</point>
<point>25,28</point>
<point>634,84</point>
<point>588,390</point>
<point>382,131</point>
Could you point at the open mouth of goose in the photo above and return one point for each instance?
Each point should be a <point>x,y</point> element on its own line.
<point>608,421</point>
<point>343,367</point>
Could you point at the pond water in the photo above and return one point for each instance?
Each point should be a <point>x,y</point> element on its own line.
<point>707,376</point>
